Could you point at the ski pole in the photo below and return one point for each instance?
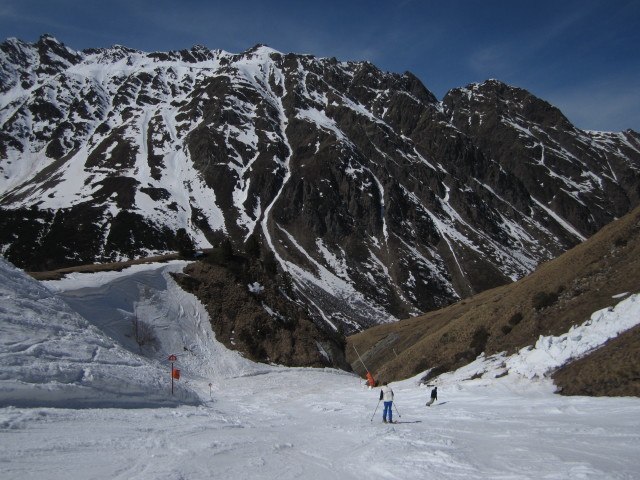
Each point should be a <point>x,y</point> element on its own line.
<point>374,412</point>
<point>394,404</point>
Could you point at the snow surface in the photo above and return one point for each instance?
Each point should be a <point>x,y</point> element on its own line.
<point>251,420</point>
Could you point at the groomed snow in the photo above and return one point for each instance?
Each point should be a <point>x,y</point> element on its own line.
<point>271,422</point>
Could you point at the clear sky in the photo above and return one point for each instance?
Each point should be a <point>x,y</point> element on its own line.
<point>582,56</point>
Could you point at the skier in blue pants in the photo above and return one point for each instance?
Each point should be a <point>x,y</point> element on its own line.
<point>386,394</point>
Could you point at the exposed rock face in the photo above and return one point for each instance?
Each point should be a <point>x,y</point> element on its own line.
<point>259,318</point>
<point>561,167</point>
<point>378,200</point>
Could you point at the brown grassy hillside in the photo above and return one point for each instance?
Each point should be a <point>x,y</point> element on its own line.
<point>559,294</point>
<point>613,370</point>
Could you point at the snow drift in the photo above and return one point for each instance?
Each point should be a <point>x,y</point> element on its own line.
<point>51,356</point>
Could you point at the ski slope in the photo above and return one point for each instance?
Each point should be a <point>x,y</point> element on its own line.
<point>270,422</point>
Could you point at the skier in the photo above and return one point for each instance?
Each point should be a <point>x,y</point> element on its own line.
<point>386,394</point>
<point>434,396</point>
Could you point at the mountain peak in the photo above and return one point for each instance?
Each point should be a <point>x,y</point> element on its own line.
<point>514,104</point>
<point>50,46</point>
<point>261,49</point>
<point>47,38</point>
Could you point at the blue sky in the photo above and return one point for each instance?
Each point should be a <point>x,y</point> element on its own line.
<point>583,56</point>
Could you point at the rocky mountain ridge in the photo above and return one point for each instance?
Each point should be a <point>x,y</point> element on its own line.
<point>378,200</point>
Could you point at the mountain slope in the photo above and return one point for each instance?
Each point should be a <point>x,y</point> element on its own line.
<point>563,168</point>
<point>558,295</point>
<point>379,201</point>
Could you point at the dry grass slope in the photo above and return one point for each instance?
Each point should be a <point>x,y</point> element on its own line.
<point>613,370</point>
<point>559,294</point>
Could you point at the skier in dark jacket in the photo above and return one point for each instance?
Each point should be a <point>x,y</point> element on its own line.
<point>434,396</point>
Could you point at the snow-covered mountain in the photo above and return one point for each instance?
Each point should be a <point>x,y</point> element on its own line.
<point>378,200</point>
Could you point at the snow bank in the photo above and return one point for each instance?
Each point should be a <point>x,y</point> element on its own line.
<point>179,322</point>
<point>51,356</point>
<point>552,352</point>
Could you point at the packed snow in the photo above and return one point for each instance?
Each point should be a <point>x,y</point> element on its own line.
<point>81,399</point>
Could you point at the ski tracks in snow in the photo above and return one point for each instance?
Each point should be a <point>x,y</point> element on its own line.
<point>316,424</point>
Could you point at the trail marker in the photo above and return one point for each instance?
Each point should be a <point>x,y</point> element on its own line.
<point>173,358</point>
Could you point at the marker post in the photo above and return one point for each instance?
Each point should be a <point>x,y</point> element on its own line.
<point>172,358</point>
